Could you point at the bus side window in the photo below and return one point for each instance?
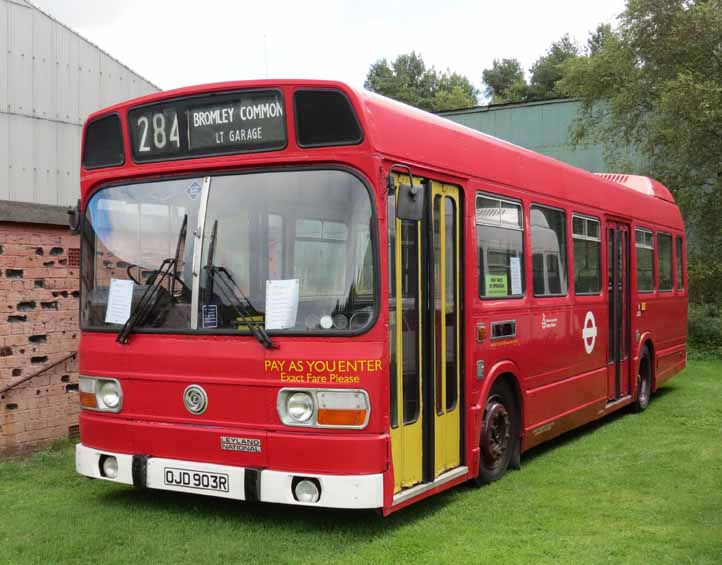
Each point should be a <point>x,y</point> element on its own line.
<point>680,263</point>
<point>644,246</point>
<point>664,256</point>
<point>500,247</point>
<point>587,255</point>
<point>549,251</point>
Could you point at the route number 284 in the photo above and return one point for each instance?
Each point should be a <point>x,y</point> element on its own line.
<point>159,129</point>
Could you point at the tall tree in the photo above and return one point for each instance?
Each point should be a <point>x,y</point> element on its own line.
<point>504,81</point>
<point>549,68</point>
<point>598,38</point>
<point>655,84</point>
<point>408,80</point>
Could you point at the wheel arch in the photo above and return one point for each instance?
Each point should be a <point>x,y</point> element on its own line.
<point>646,341</point>
<point>506,371</point>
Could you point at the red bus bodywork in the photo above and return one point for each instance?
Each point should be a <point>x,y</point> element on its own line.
<point>559,384</point>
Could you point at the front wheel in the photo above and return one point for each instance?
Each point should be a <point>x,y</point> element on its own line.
<point>644,382</point>
<point>499,434</point>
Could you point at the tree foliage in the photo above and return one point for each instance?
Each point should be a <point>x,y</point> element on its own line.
<point>408,80</point>
<point>504,82</point>
<point>549,68</point>
<point>598,38</point>
<point>655,84</point>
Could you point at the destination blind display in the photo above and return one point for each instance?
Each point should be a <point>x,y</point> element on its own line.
<point>254,120</point>
<point>231,123</point>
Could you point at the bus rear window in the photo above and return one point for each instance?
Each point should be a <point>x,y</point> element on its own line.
<point>680,263</point>
<point>499,242</point>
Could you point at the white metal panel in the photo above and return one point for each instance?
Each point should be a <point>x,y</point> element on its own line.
<point>45,159</point>
<point>43,66</point>
<point>4,47</point>
<point>20,76</point>
<point>67,179</point>
<point>4,157</point>
<point>20,144</point>
<point>68,75</point>
<point>50,80</point>
<point>108,75</point>
<point>89,68</point>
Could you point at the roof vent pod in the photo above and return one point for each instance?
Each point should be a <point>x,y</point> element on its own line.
<point>638,183</point>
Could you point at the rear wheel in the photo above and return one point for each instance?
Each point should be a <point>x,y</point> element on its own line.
<point>644,381</point>
<point>499,434</point>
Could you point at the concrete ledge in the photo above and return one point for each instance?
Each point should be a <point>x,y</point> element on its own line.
<point>30,212</point>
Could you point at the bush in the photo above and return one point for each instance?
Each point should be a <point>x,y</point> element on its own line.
<point>705,281</point>
<point>705,330</point>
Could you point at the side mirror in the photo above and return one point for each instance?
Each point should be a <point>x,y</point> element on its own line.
<point>75,218</point>
<point>410,202</point>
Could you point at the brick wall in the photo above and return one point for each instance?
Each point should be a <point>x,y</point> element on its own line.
<point>38,327</point>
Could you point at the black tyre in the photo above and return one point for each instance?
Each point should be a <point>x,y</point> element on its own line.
<point>644,381</point>
<point>499,439</point>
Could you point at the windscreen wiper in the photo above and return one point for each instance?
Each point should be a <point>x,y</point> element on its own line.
<point>227,288</point>
<point>149,300</point>
<point>232,293</point>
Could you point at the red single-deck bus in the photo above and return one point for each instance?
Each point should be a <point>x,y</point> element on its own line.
<point>296,292</point>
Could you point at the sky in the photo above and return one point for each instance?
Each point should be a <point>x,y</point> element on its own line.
<point>177,43</point>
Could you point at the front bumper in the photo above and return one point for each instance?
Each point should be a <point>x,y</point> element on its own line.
<point>265,485</point>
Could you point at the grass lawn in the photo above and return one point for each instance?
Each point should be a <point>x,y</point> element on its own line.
<point>643,488</point>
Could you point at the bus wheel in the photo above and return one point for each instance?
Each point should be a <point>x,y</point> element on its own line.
<point>499,434</point>
<point>644,382</point>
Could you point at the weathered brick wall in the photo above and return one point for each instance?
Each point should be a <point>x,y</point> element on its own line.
<point>38,327</point>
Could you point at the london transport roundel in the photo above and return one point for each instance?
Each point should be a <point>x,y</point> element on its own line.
<point>589,332</point>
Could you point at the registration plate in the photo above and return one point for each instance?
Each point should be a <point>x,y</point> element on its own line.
<point>200,480</point>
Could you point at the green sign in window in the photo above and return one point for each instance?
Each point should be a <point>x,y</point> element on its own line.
<point>496,285</point>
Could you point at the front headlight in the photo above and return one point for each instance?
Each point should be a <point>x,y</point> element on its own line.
<point>324,408</point>
<point>300,407</point>
<point>110,394</point>
<point>101,394</point>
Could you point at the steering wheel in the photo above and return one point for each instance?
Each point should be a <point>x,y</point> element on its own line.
<point>171,275</point>
<point>130,276</point>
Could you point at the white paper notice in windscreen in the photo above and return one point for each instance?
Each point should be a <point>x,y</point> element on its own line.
<point>120,298</point>
<point>281,303</point>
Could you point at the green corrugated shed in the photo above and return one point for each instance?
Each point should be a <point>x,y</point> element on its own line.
<point>540,126</point>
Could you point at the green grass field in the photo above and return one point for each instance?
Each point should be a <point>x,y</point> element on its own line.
<point>642,488</point>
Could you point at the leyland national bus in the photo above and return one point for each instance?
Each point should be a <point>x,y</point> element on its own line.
<point>297,292</point>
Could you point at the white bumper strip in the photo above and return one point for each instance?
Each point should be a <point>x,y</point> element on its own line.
<point>87,462</point>
<point>337,491</point>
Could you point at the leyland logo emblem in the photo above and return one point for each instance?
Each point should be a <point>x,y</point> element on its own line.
<point>195,399</point>
<point>589,332</point>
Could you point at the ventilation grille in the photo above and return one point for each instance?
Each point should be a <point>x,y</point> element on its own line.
<point>621,179</point>
<point>74,431</point>
<point>74,257</point>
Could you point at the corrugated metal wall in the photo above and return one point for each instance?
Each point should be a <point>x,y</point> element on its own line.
<point>540,126</point>
<point>50,80</point>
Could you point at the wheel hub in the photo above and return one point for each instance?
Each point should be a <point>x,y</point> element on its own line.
<point>497,434</point>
